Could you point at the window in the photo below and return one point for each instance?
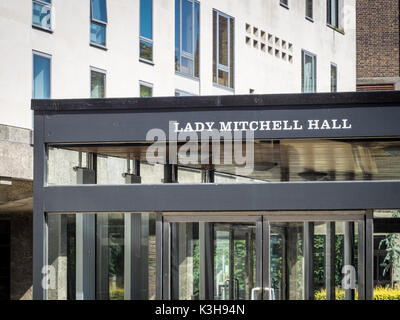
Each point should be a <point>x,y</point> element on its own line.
<point>223,52</point>
<point>146,89</point>
<point>187,37</point>
<point>181,93</point>
<point>333,77</point>
<point>309,10</point>
<point>333,12</point>
<point>308,72</point>
<point>41,14</point>
<point>41,75</point>
<point>98,22</point>
<point>284,3</point>
<point>146,30</point>
<point>97,83</point>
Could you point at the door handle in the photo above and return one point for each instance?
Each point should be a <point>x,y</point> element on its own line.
<point>271,293</point>
<point>253,291</point>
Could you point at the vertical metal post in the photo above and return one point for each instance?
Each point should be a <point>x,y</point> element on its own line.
<point>308,260</point>
<point>369,256</point>
<point>135,253</point>
<point>39,221</point>
<point>159,256</point>
<point>361,259</point>
<point>86,244</point>
<point>206,249</point>
<point>166,288</point>
<point>330,261</point>
<point>264,251</point>
<point>349,254</point>
<point>102,257</point>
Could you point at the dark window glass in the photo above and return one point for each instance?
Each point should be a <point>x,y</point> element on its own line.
<point>284,3</point>
<point>146,30</point>
<point>98,22</point>
<point>333,12</point>
<point>41,77</point>
<point>309,9</point>
<point>333,78</point>
<point>223,49</point>
<point>187,37</point>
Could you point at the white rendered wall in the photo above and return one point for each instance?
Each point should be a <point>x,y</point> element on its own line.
<point>72,56</point>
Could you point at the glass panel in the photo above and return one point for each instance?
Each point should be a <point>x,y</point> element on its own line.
<point>286,261</point>
<point>232,257</point>
<point>232,52</point>
<point>187,26</point>
<point>215,37</point>
<point>333,78</point>
<point>223,78</point>
<point>177,34</point>
<point>146,50</point>
<point>98,33</point>
<point>223,40</point>
<point>295,160</point>
<point>187,65</point>
<point>97,84</point>
<point>196,39</point>
<point>41,15</point>
<point>41,77</point>
<point>146,91</point>
<point>308,73</point>
<point>99,11</point>
<point>309,9</point>
<point>69,253</point>
<point>146,19</point>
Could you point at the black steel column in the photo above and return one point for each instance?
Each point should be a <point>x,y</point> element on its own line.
<point>369,256</point>
<point>330,261</point>
<point>361,259</point>
<point>349,257</point>
<point>159,256</point>
<point>86,239</point>
<point>308,260</point>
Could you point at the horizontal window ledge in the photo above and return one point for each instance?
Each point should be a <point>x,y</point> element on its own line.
<point>98,46</point>
<point>310,19</point>
<point>185,75</point>
<point>284,6</point>
<point>151,63</point>
<point>335,28</point>
<point>42,29</point>
<point>220,86</point>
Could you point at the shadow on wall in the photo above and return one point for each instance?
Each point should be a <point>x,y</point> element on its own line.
<point>21,255</point>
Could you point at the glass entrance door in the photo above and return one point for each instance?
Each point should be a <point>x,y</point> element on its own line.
<point>265,257</point>
<point>215,259</point>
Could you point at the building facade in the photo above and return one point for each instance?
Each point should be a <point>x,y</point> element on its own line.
<point>93,49</point>
<point>378,42</point>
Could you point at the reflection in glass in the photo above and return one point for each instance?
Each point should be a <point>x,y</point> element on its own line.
<point>98,33</point>
<point>41,77</point>
<point>146,91</point>
<point>42,15</point>
<point>97,84</point>
<point>121,248</point>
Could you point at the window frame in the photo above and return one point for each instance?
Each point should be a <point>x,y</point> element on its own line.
<point>218,66</point>
<point>284,4</point>
<point>142,38</point>
<point>182,93</point>
<point>98,70</point>
<point>147,85</point>
<point>43,55</point>
<point>101,23</point>
<point>336,76</point>
<point>48,5</point>
<point>311,19</point>
<point>183,54</point>
<point>305,53</point>
<point>336,24</point>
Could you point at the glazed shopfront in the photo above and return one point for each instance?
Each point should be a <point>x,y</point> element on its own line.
<point>264,197</point>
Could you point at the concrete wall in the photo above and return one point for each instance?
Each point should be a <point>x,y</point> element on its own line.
<point>255,69</point>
